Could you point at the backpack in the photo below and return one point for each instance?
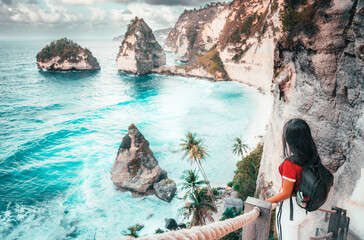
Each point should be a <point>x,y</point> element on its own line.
<point>313,191</point>
<point>314,188</point>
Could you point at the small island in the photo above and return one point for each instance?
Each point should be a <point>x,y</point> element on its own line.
<point>140,52</point>
<point>66,55</point>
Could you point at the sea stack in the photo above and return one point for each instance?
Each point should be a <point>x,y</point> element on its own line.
<point>136,169</point>
<point>140,52</point>
<point>66,55</point>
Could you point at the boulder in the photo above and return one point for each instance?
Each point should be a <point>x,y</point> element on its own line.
<point>135,168</point>
<point>66,55</point>
<point>230,202</point>
<point>181,226</point>
<point>165,189</point>
<point>140,52</point>
<point>171,224</point>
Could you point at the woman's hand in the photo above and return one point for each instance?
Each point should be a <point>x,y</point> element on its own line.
<point>286,192</point>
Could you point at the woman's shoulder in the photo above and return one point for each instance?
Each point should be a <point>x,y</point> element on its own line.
<point>290,162</point>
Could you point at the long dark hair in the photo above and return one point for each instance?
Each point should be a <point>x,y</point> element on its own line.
<point>298,144</point>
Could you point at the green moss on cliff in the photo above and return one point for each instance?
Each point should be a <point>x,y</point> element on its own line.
<point>243,27</point>
<point>211,61</point>
<point>191,34</point>
<point>298,16</point>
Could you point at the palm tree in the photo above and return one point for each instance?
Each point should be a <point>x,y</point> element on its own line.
<point>200,208</point>
<point>134,230</point>
<point>239,147</point>
<point>193,147</point>
<point>192,182</point>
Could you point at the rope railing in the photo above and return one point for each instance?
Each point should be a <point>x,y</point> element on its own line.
<point>211,231</point>
<point>258,228</point>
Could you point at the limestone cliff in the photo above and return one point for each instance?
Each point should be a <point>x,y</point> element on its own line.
<point>66,55</point>
<point>243,34</point>
<point>139,52</point>
<point>246,43</point>
<point>136,169</point>
<point>196,31</point>
<point>319,76</point>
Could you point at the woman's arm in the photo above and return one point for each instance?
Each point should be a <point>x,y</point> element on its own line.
<point>286,192</point>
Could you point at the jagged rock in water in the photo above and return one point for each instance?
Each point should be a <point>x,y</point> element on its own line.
<point>165,189</point>
<point>140,52</point>
<point>135,168</point>
<point>181,226</point>
<point>171,224</point>
<point>66,55</point>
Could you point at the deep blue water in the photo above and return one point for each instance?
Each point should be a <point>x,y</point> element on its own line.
<point>59,134</point>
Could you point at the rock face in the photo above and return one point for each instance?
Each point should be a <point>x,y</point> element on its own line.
<point>165,189</point>
<point>139,52</point>
<point>319,76</point>
<point>242,32</point>
<point>231,202</point>
<point>171,224</point>
<point>66,55</point>
<point>196,31</point>
<point>136,169</point>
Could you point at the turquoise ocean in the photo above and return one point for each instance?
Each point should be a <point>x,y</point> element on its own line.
<point>60,132</point>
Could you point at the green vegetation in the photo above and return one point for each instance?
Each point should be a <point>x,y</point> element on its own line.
<point>239,147</point>
<point>246,174</point>
<point>138,22</point>
<point>134,230</point>
<point>200,207</point>
<point>65,49</point>
<point>194,149</point>
<point>298,16</point>
<point>231,213</point>
<point>237,32</point>
<point>211,61</point>
<point>191,34</point>
<point>247,25</point>
<point>192,182</point>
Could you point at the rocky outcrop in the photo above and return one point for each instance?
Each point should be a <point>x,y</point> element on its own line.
<point>139,52</point>
<point>196,31</point>
<point>66,55</point>
<point>231,202</point>
<point>165,189</point>
<point>319,72</point>
<point>136,169</point>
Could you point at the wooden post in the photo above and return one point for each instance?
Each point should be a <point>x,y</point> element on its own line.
<point>342,226</point>
<point>258,229</point>
<point>347,222</point>
<point>334,223</point>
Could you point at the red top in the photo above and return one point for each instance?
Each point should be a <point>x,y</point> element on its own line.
<point>291,172</point>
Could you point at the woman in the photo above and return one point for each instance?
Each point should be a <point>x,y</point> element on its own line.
<point>299,150</point>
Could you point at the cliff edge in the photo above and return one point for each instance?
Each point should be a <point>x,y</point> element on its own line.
<point>139,52</point>
<point>319,77</point>
<point>66,55</point>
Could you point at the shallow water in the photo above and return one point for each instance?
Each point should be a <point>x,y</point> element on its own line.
<point>60,133</point>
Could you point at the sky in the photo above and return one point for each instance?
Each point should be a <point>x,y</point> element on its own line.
<point>85,19</point>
